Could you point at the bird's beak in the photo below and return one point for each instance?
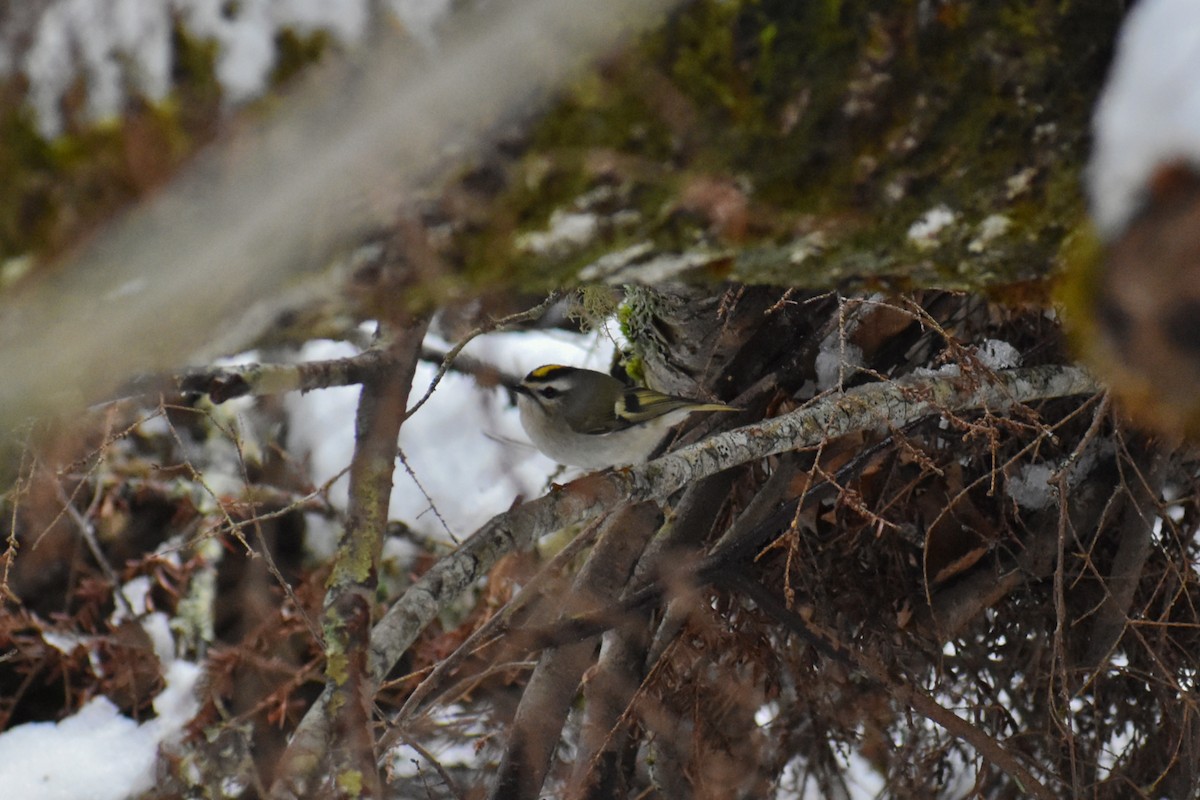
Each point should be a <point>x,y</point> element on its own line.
<point>521,389</point>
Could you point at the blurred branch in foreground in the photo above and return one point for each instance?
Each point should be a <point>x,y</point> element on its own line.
<point>273,205</point>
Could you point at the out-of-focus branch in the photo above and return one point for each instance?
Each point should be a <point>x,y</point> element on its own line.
<point>222,384</point>
<point>160,286</point>
<point>537,726</point>
<point>612,684</point>
<point>455,352</point>
<point>226,383</point>
<point>896,403</point>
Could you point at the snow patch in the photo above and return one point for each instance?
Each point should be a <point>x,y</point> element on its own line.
<point>836,361</point>
<point>465,446</point>
<point>123,46</point>
<point>96,753</point>
<point>1030,488</point>
<point>925,233</point>
<point>996,354</point>
<point>1149,112</point>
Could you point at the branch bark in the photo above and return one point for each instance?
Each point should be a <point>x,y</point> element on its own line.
<point>1143,488</point>
<point>537,728</point>
<point>896,403</point>
<point>348,758</point>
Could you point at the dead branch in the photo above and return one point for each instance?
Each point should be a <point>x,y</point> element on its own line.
<point>537,728</point>
<point>1142,490</point>
<point>896,404</point>
<point>906,694</point>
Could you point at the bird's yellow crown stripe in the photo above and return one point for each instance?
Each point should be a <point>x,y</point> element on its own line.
<point>545,370</point>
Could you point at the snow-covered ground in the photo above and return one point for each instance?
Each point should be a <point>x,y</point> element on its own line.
<point>98,753</point>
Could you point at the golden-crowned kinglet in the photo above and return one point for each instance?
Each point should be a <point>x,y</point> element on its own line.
<point>589,419</point>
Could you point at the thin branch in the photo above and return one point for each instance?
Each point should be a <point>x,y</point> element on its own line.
<point>537,726</point>
<point>864,407</point>
<point>432,505</point>
<point>88,531</point>
<point>483,372</point>
<point>226,383</point>
<point>1133,549</point>
<point>531,592</point>
<point>254,520</point>
<point>504,323</point>
<point>451,786</point>
<point>222,384</point>
<point>906,694</point>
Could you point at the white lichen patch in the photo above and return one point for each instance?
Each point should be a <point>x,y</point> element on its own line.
<point>991,228</point>
<point>566,232</point>
<point>640,264</point>
<point>1019,184</point>
<point>806,247</point>
<point>926,232</point>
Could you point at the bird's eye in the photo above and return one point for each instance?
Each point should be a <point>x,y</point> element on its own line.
<point>549,393</point>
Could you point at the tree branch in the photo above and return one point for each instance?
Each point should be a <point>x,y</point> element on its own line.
<point>864,407</point>
<point>540,717</point>
<point>349,757</point>
<point>902,692</point>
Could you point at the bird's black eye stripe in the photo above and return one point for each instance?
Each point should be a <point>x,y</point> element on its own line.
<point>549,392</point>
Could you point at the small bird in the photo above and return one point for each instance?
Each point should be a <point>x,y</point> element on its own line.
<point>589,419</point>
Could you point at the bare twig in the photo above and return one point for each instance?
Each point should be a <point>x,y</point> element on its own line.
<point>235,528</point>
<point>896,403</point>
<point>88,531</point>
<point>1134,531</point>
<point>226,383</point>
<point>906,694</point>
<point>453,787</point>
<point>496,325</point>
<point>530,593</point>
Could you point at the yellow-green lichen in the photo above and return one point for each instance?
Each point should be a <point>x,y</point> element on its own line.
<point>350,782</point>
<point>337,663</point>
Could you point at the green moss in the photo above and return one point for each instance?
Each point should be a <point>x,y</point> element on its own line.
<point>27,202</point>
<point>851,119</point>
